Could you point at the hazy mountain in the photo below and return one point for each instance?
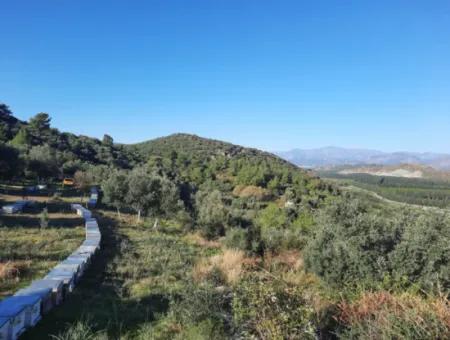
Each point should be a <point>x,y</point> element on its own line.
<point>333,156</point>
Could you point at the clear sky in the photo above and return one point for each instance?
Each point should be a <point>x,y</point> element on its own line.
<point>270,74</point>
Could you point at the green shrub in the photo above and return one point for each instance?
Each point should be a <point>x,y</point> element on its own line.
<point>270,309</point>
<point>82,330</point>
<point>351,246</point>
<point>354,247</point>
<point>423,255</point>
<point>212,213</point>
<point>198,312</point>
<point>237,238</point>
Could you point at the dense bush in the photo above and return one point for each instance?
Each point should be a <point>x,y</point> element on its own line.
<point>423,255</point>
<point>352,246</point>
<point>212,213</point>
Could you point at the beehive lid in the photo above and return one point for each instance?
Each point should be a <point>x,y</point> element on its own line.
<point>72,260</point>
<point>34,290</point>
<point>91,242</point>
<point>68,267</point>
<point>83,251</point>
<point>12,306</point>
<point>58,274</point>
<point>79,253</point>
<point>46,284</point>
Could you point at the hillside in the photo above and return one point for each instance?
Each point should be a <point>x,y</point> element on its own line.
<point>200,147</point>
<point>209,240</point>
<point>414,184</point>
<point>401,170</point>
<point>334,156</point>
<point>243,180</point>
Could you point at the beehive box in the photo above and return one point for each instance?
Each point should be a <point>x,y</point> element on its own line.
<point>45,295</point>
<point>76,206</point>
<point>67,277</point>
<point>76,261</point>
<point>93,243</point>
<point>32,304</point>
<point>10,209</point>
<point>5,328</point>
<point>16,313</point>
<point>57,287</point>
<point>81,254</point>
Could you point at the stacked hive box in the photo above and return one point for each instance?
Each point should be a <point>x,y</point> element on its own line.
<point>16,207</point>
<point>93,199</point>
<point>28,305</point>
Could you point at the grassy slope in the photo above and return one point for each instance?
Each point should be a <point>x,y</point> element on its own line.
<point>130,282</point>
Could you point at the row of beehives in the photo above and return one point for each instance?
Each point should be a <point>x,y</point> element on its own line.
<point>26,307</point>
<point>16,207</point>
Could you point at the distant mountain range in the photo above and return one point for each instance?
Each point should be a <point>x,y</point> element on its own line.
<point>335,156</point>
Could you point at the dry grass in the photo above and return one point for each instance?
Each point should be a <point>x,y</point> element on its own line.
<point>13,198</point>
<point>378,314</point>
<point>251,191</point>
<point>199,240</point>
<point>230,263</point>
<point>288,260</point>
<point>12,270</point>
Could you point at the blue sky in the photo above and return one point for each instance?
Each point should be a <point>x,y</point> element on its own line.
<point>270,74</point>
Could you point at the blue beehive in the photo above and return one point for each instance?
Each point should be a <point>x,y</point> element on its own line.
<point>75,206</point>
<point>32,304</point>
<point>92,203</point>
<point>76,261</point>
<point>16,313</point>
<point>67,277</point>
<point>44,293</point>
<point>5,328</point>
<point>92,243</point>
<point>56,287</point>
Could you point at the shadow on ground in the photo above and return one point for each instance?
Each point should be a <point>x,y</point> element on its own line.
<point>99,296</point>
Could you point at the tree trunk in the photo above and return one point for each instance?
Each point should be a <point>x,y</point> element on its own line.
<point>155,225</point>
<point>139,216</point>
<point>118,212</point>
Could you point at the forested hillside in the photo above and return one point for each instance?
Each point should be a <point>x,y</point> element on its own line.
<point>210,184</point>
<point>35,150</point>
<point>209,240</point>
